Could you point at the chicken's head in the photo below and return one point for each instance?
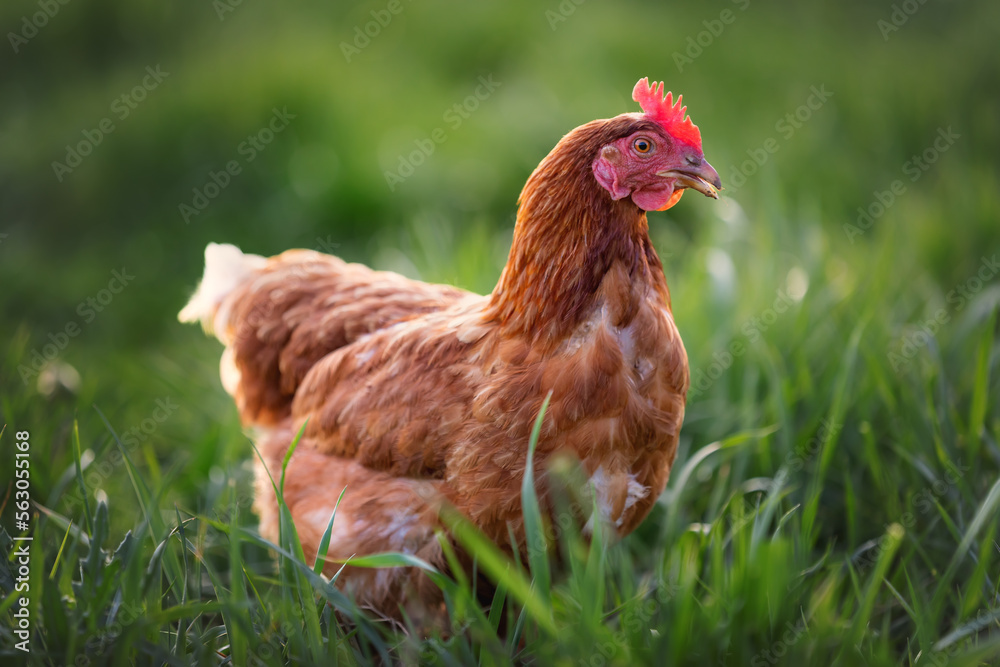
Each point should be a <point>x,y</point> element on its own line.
<point>659,157</point>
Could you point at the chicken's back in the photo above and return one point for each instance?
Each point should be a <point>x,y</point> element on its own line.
<point>278,316</point>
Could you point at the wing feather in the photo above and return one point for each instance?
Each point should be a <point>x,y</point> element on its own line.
<point>299,307</point>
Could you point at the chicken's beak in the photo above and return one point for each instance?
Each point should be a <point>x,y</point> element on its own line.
<point>702,178</point>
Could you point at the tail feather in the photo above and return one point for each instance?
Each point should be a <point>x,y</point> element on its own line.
<point>226,267</point>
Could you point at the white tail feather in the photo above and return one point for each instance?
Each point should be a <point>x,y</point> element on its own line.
<point>226,266</point>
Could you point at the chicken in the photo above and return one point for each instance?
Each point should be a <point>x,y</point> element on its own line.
<point>420,395</point>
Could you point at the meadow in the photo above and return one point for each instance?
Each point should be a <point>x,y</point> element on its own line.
<point>836,496</point>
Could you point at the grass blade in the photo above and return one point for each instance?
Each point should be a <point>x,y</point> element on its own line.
<point>534,532</point>
<point>324,543</point>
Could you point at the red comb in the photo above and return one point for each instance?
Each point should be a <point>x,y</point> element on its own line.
<point>663,110</point>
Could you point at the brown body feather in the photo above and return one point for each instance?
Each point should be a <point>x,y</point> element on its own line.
<point>419,394</point>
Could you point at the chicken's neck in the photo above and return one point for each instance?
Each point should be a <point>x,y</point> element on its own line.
<point>569,234</point>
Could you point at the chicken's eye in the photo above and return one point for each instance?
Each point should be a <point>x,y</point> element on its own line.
<point>642,145</point>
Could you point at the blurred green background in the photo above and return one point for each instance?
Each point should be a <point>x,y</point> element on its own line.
<point>321,183</point>
<point>839,304</point>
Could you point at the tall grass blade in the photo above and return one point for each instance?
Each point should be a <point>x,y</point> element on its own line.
<point>534,531</point>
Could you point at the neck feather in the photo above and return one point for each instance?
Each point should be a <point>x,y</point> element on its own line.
<point>569,234</point>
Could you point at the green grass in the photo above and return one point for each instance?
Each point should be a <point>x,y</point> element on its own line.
<point>835,498</point>
<point>824,508</point>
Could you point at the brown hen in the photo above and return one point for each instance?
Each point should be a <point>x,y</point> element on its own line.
<point>418,395</point>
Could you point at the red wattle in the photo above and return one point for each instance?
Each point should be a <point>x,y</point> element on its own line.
<point>674,198</point>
